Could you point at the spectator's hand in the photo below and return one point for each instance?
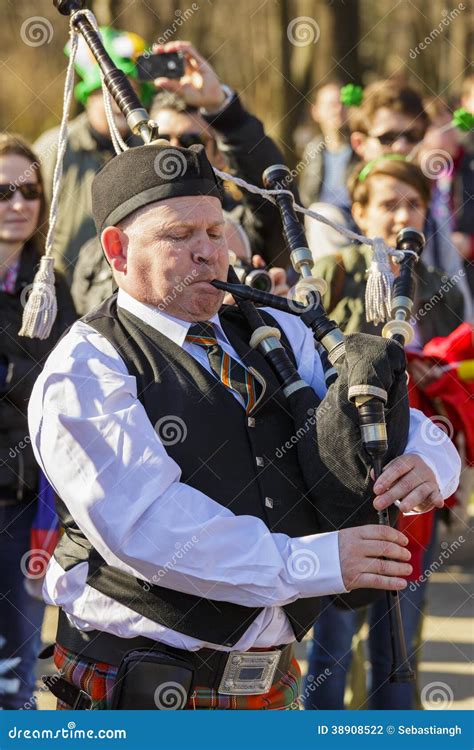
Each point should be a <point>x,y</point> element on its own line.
<point>409,480</point>
<point>200,86</point>
<point>423,372</point>
<point>277,275</point>
<point>361,551</point>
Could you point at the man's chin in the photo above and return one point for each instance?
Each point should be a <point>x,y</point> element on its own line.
<point>206,302</point>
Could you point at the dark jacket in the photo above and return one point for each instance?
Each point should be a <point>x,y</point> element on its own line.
<point>438,305</point>
<point>23,358</point>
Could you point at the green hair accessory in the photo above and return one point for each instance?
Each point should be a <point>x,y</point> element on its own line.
<point>463,120</point>
<point>351,95</point>
<point>123,47</point>
<point>371,164</point>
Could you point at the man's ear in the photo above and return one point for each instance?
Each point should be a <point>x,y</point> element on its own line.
<point>114,243</point>
<point>358,214</point>
<point>357,142</point>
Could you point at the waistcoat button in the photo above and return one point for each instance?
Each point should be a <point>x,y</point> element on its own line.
<point>269,502</point>
<point>260,461</point>
<point>251,422</point>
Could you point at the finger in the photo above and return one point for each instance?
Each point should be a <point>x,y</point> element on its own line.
<point>174,46</point>
<point>433,501</point>
<point>257,261</point>
<point>278,275</point>
<point>381,533</point>
<point>390,568</point>
<point>418,496</point>
<point>393,471</point>
<point>372,548</point>
<point>189,52</point>
<point>399,491</point>
<point>372,581</point>
<point>170,84</point>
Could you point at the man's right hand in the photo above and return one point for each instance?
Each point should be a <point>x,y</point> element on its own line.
<point>361,553</point>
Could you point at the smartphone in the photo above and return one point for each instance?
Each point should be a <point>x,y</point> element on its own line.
<point>166,64</point>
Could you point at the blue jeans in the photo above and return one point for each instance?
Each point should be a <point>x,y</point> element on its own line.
<point>21,615</point>
<point>330,652</point>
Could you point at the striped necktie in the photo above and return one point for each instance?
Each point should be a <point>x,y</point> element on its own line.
<point>230,372</point>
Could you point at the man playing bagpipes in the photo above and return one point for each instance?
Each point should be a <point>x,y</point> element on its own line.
<point>179,574</point>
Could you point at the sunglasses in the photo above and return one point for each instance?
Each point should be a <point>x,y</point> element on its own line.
<point>390,137</point>
<point>186,139</point>
<point>30,191</point>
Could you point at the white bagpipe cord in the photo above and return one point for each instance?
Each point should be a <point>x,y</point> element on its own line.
<point>378,293</point>
<point>41,307</point>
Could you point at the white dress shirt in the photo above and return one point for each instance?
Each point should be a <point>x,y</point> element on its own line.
<point>100,452</point>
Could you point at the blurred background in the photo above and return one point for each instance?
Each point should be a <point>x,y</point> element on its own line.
<point>356,40</point>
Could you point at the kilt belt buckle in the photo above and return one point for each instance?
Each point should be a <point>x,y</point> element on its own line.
<point>249,672</point>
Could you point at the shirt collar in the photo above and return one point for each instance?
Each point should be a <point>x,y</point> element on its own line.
<point>174,328</point>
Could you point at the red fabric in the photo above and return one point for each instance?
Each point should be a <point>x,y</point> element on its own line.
<point>456,347</point>
<point>418,529</point>
<point>452,398</point>
<point>454,393</point>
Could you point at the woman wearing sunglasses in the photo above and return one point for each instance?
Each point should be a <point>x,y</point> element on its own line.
<point>22,233</point>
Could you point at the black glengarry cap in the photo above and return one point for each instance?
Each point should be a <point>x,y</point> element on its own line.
<point>147,174</point>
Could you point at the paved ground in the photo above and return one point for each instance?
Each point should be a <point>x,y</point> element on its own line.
<point>447,655</point>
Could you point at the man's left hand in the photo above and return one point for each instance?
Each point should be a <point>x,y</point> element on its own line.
<point>409,480</point>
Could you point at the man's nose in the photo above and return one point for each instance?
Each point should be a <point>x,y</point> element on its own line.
<point>204,249</point>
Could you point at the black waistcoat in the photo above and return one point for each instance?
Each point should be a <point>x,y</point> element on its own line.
<point>223,452</point>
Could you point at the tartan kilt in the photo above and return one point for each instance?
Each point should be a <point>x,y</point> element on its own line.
<point>97,679</point>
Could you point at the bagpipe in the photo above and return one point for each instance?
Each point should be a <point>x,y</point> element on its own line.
<point>363,420</point>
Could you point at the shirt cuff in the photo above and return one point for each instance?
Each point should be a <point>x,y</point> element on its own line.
<point>313,566</point>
